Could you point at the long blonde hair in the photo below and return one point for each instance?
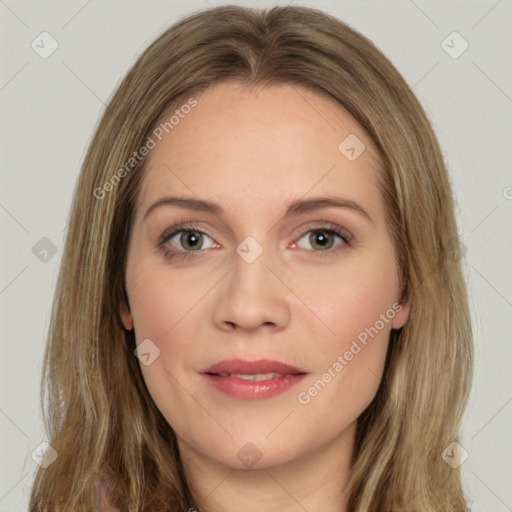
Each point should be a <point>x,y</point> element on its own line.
<point>97,412</point>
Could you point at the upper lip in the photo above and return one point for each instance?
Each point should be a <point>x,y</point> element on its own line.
<point>244,367</point>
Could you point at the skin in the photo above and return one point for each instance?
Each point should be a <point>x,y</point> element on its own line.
<point>253,151</point>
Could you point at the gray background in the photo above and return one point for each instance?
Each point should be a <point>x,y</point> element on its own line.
<point>50,107</point>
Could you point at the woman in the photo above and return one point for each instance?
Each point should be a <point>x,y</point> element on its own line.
<point>261,303</point>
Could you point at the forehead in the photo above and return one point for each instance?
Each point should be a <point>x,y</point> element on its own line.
<point>264,145</point>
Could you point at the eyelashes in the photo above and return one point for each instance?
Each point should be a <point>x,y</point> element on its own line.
<point>319,234</point>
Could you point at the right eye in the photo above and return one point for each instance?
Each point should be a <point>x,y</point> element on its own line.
<point>189,239</point>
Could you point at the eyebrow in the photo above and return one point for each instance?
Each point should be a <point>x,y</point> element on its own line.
<point>297,207</point>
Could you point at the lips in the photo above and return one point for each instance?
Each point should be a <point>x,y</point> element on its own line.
<point>252,380</point>
<point>261,367</point>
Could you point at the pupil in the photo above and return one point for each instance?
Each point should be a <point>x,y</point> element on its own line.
<point>321,239</point>
<point>192,239</point>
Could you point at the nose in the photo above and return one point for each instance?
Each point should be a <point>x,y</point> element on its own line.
<point>252,296</point>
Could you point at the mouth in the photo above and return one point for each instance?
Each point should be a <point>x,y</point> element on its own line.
<point>252,380</point>
<point>257,376</point>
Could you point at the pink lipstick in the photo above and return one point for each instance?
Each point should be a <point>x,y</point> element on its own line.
<point>252,380</point>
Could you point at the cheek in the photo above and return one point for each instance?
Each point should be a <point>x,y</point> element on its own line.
<point>356,306</point>
<point>160,301</point>
<point>352,299</point>
<point>349,365</point>
<point>162,306</point>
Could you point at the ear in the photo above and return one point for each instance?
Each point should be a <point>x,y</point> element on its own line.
<point>126,315</point>
<point>402,309</point>
<point>103,497</point>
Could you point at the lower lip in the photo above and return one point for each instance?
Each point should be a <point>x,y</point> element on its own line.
<point>253,389</point>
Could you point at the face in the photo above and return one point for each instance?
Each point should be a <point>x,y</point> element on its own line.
<point>223,296</point>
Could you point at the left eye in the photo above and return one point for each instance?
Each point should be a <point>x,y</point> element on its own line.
<point>321,238</point>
